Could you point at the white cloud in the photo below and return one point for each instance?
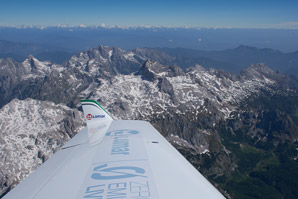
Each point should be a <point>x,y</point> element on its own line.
<point>290,25</point>
<point>83,26</point>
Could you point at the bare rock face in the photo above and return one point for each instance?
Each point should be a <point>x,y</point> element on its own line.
<point>31,131</point>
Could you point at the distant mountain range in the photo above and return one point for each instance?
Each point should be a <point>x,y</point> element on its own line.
<point>83,37</point>
<point>235,60</point>
<point>19,51</point>
<point>231,60</point>
<point>239,130</point>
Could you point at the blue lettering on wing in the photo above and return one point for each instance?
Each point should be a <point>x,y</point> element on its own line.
<point>123,132</point>
<point>94,191</point>
<point>117,190</point>
<point>120,144</point>
<point>112,173</point>
<point>140,190</point>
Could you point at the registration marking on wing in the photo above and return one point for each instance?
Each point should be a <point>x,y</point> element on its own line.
<point>125,171</point>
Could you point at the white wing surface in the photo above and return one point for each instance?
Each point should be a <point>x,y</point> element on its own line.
<point>115,160</point>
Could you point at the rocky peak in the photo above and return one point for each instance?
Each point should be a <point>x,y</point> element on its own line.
<point>261,68</point>
<point>146,70</point>
<point>103,51</point>
<point>264,73</point>
<point>258,71</point>
<point>175,71</point>
<point>157,55</point>
<point>105,61</point>
<point>152,70</point>
<point>7,63</point>
<point>33,65</point>
<point>195,68</point>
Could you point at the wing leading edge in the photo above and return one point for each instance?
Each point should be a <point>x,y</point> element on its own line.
<point>128,159</point>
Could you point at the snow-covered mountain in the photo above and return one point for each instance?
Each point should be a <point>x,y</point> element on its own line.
<point>47,81</point>
<point>90,69</point>
<point>187,106</point>
<point>31,131</point>
<point>156,89</point>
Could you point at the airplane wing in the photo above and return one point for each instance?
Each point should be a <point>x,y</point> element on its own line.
<point>115,159</point>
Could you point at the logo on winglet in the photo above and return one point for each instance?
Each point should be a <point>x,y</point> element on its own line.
<point>90,116</point>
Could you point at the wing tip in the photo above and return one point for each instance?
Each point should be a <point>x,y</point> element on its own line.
<point>94,102</point>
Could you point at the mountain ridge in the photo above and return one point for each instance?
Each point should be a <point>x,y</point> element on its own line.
<point>230,59</point>
<point>237,59</point>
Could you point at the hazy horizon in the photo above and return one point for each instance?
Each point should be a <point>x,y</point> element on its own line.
<point>188,13</point>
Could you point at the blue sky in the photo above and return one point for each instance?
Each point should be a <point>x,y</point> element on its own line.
<point>199,13</point>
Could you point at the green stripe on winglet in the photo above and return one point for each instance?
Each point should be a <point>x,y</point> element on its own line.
<point>95,102</point>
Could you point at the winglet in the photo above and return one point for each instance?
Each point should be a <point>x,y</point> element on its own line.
<point>98,120</point>
<point>94,112</point>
